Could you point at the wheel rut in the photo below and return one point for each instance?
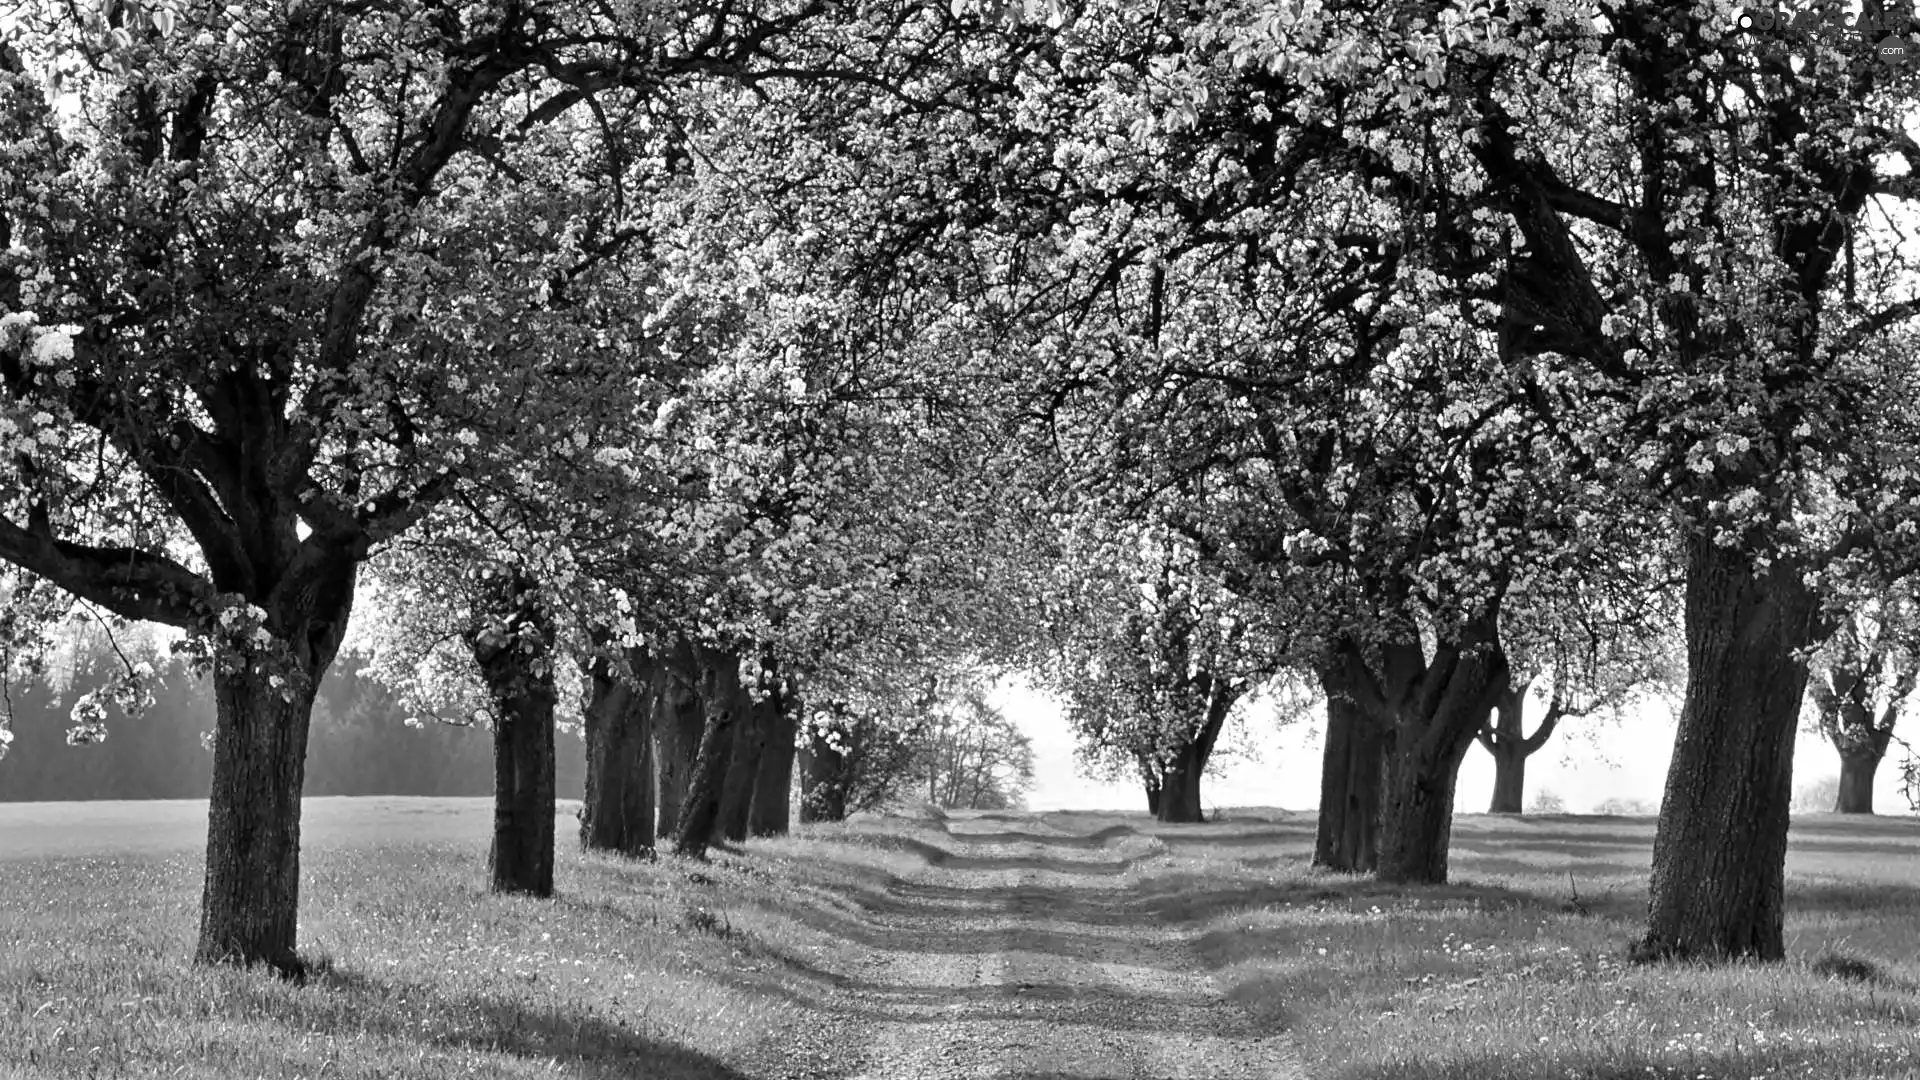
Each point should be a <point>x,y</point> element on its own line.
<point>1018,955</point>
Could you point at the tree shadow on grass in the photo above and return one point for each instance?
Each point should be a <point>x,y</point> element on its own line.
<point>1628,1065</point>
<point>1097,839</point>
<point>587,1045</point>
<point>1180,899</point>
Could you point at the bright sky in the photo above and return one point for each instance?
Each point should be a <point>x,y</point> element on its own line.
<point>1585,764</point>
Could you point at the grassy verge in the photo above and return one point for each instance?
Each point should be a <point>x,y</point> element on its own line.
<point>666,970</point>
<point>1515,970</point>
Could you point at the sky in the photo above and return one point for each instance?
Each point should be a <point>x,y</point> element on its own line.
<point>1584,763</point>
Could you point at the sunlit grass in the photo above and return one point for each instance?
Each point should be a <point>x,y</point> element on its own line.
<point>1513,971</point>
<point>669,969</point>
<point>681,969</point>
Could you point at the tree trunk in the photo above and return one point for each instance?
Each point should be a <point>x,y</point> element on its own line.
<point>1719,853</point>
<point>823,789</point>
<point>1509,778</point>
<point>773,787</point>
<point>720,693</point>
<point>1353,768</point>
<point>750,741</point>
<point>1153,798</point>
<point>678,723</point>
<point>250,897</point>
<point>1856,783</point>
<point>1180,789</point>
<point>1510,746</point>
<point>249,910</point>
<point>515,656</point>
<point>1435,724</point>
<point>617,811</point>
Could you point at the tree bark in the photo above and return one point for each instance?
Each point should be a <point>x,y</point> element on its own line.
<point>678,723</point>
<point>1719,853</point>
<point>1352,772</point>
<point>250,898</point>
<point>515,655</point>
<point>750,742</point>
<point>1856,783</point>
<point>617,812</point>
<point>721,694</point>
<point>1435,724</point>
<point>1179,801</point>
<point>773,787</point>
<point>250,901</point>
<point>1509,779</point>
<point>1153,797</point>
<point>823,789</point>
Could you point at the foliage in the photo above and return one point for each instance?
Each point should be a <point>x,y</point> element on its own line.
<point>971,755</point>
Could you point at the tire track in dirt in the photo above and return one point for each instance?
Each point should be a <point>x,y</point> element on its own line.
<point>1017,955</point>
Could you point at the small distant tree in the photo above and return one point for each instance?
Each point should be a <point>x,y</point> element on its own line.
<point>1858,688</point>
<point>972,757</point>
<point>1547,801</point>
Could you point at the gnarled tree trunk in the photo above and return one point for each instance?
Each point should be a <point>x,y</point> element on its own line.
<point>1434,726</point>
<point>720,693</point>
<point>250,898</point>
<point>750,743</point>
<point>514,650</point>
<point>617,811</point>
<point>1352,772</point>
<point>773,787</point>
<point>678,721</point>
<point>1719,854</point>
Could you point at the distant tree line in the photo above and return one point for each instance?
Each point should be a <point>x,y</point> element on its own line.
<point>361,742</point>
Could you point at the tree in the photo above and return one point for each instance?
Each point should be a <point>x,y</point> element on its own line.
<point>1859,687</point>
<point>1152,656</point>
<point>1601,641</point>
<point>242,319</point>
<point>1601,182</point>
<point>971,756</point>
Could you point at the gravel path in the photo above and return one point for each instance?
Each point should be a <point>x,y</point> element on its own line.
<point>1018,956</point>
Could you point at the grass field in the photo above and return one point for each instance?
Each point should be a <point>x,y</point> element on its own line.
<point>675,969</point>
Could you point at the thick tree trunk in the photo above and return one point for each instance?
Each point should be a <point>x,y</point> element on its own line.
<point>1435,725</point>
<point>721,694</point>
<point>1352,770</point>
<point>250,898</point>
<point>773,787</point>
<point>1180,789</point>
<point>1509,779</point>
<point>823,789</point>
<point>1719,853</point>
<point>1153,798</point>
<point>515,656</point>
<point>1180,781</point>
<point>617,811</point>
<point>1856,783</point>
<point>750,742</point>
<point>249,908</point>
<point>678,722</point>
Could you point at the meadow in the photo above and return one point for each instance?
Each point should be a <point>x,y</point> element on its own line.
<point>746,966</point>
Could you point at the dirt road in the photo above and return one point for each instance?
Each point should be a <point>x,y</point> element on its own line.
<point>1017,954</point>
